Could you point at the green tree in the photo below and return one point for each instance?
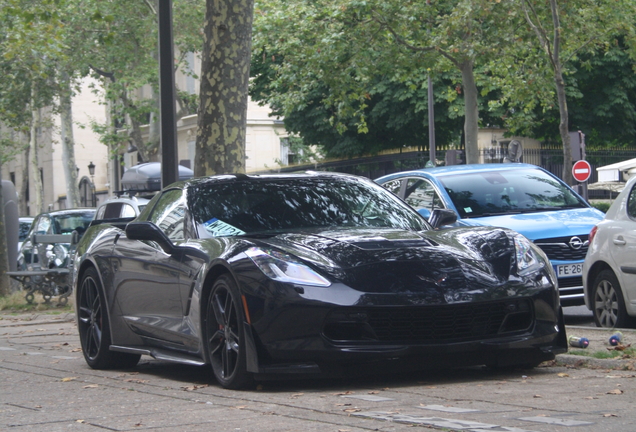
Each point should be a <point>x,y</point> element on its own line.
<point>536,70</point>
<point>32,42</point>
<point>225,71</point>
<point>347,44</point>
<point>118,44</point>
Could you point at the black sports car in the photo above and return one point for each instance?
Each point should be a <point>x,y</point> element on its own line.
<point>309,273</point>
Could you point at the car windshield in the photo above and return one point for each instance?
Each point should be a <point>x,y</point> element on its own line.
<point>67,223</point>
<point>508,192</point>
<point>274,205</point>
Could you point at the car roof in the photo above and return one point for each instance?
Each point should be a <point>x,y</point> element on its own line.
<point>225,178</point>
<point>470,169</point>
<point>126,199</point>
<point>68,211</point>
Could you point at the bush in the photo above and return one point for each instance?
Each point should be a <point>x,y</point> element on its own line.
<point>601,205</point>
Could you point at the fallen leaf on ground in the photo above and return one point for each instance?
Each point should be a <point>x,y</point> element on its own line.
<point>91,386</point>
<point>374,392</point>
<point>67,379</point>
<point>609,415</point>
<point>297,395</point>
<point>136,380</point>
<point>352,410</point>
<point>537,396</point>
<point>563,375</point>
<point>615,392</point>
<point>193,387</point>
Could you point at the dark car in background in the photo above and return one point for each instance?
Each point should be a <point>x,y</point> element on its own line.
<point>307,274</point>
<point>522,197</point>
<point>57,222</point>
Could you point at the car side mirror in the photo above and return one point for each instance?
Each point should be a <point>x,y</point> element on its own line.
<point>425,213</point>
<point>150,232</point>
<point>441,217</point>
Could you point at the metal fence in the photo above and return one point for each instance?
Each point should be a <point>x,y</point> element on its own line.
<point>550,158</point>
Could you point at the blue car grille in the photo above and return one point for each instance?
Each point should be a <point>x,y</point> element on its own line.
<point>563,249</point>
<point>433,324</point>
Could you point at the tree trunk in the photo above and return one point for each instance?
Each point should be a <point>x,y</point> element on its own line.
<point>564,129</point>
<point>24,186</point>
<point>5,283</point>
<point>34,173</point>
<point>225,69</point>
<point>560,90</point>
<point>68,145</point>
<point>471,117</point>
<point>135,131</point>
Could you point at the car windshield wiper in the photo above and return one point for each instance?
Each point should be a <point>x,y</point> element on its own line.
<point>501,213</point>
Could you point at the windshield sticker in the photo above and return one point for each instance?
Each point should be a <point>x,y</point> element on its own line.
<point>218,228</point>
<point>468,210</point>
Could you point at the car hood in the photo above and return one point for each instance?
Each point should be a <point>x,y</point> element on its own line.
<point>452,265</point>
<point>535,226</point>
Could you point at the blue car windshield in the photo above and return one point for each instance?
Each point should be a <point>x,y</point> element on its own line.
<point>507,192</point>
<point>274,205</point>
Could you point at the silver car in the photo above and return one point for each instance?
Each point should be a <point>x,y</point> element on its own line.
<point>609,270</point>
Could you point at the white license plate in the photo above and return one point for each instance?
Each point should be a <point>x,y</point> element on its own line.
<point>565,270</point>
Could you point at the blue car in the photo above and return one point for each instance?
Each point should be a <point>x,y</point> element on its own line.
<point>522,197</point>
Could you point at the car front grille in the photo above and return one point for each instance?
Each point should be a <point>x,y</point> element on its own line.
<point>431,324</point>
<point>563,248</point>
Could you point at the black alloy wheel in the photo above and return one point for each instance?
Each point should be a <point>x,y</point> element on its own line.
<point>94,329</point>
<point>226,336</point>
<point>609,304</point>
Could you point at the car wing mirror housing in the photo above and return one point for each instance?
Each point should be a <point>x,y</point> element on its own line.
<point>426,213</point>
<point>150,232</point>
<point>441,217</point>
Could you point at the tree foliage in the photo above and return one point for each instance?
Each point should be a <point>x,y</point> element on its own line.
<point>337,58</point>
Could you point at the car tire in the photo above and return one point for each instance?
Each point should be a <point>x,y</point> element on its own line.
<point>94,327</point>
<point>608,302</point>
<point>226,335</point>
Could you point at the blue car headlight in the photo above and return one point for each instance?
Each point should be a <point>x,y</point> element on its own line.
<point>282,267</point>
<point>527,258</point>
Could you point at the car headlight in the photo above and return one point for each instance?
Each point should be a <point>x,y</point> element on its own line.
<point>528,260</point>
<point>56,255</point>
<point>282,267</point>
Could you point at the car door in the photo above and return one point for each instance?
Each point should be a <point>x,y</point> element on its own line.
<point>622,241</point>
<point>147,278</point>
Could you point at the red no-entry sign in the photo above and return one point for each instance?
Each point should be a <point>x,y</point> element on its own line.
<point>582,170</point>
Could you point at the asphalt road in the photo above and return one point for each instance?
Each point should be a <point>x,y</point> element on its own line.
<point>45,385</point>
<point>578,315</point>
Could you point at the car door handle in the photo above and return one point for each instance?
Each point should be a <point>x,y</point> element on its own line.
<point>619,241</point>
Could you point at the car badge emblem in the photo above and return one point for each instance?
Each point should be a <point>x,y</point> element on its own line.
<point>576,243</point>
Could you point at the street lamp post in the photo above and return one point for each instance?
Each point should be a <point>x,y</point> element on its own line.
<point>91,171</point>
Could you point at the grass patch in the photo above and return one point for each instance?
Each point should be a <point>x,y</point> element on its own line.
<point>606,353</point>
<point>16,303</point>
